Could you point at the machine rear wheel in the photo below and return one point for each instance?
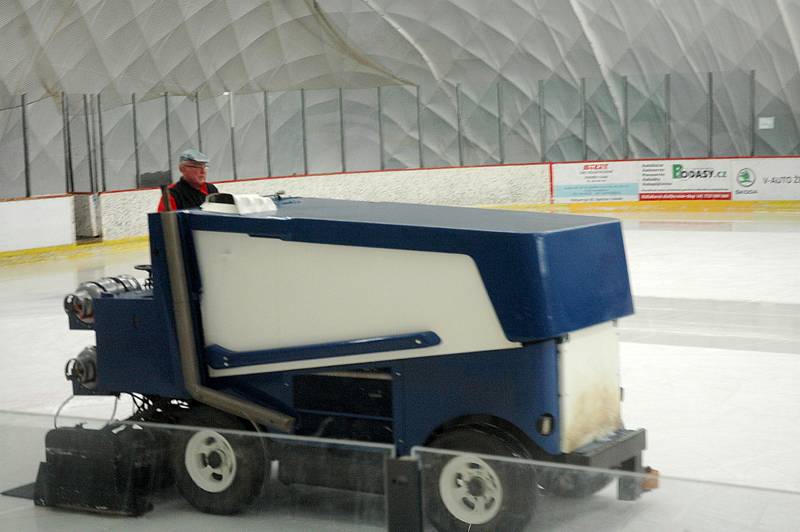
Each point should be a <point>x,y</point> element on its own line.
<point>466,492</point>
<point>217,472</point>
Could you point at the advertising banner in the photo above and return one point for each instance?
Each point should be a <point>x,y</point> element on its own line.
<point>596,181</point>
<point>765,179</point>
<point>686,179</point>
<point>746,178</point>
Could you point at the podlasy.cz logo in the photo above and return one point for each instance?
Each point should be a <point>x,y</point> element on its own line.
<point>681,172</point>
<point>746,177</point>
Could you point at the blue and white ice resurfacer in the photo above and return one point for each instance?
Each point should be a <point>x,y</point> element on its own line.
<point>482,331</point>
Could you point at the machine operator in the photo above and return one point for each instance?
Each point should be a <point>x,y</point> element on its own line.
<point>191,190</point>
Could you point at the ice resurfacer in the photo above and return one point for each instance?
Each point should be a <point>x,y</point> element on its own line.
<point>484,331</point>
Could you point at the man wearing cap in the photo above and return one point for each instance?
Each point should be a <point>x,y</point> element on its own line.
<point>191,190</point>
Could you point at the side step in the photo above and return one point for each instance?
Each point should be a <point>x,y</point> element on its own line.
<point>621,450</point>
<point>609,453</point>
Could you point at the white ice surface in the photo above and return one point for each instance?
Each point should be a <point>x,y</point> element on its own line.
<point>722,264</point>
<point>716,414</point>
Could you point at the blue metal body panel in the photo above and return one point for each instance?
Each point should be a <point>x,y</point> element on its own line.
<point>138,354</point>
<point>516,385</point>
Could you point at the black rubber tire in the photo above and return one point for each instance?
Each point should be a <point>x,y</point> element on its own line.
<point>572,484</point>
<point>248,452</point>
<point>518,481</point>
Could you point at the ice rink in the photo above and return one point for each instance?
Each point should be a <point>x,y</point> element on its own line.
<point>710,360</point>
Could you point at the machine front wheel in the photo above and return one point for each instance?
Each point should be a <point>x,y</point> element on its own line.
<point>467,492</point>
<point>217,472</point>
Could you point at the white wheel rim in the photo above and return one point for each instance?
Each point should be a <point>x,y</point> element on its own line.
<point>210,461</point>
<point>470,490</point>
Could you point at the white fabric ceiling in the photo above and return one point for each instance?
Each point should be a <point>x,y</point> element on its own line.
<point>148,47</point>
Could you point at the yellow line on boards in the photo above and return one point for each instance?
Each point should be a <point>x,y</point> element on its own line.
<point>71,251</point>
<point>701,206</point>
<point>774,209</point>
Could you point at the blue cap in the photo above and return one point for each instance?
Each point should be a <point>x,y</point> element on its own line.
<point>193,155</point>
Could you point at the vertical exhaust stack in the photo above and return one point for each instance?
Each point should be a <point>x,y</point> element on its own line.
<point>186,340</point>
